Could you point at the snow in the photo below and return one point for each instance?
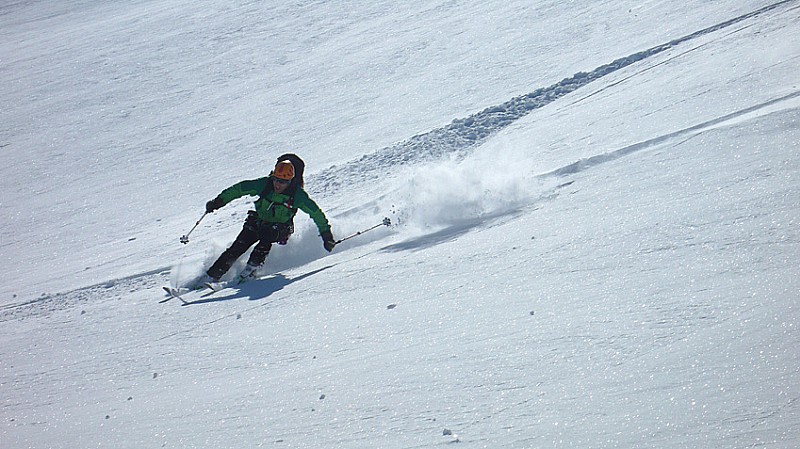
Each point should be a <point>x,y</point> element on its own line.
<point>594,206</point>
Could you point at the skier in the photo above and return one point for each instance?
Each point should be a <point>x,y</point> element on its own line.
<point>279,196</point>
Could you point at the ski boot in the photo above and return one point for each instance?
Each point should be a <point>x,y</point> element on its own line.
<point>249,273</point>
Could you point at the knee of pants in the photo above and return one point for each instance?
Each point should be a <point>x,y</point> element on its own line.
<point>263,247</point>
<point>240,245</point>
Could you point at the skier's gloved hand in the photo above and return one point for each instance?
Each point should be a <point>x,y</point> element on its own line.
<point>214,204</point>
<point>327,240</point>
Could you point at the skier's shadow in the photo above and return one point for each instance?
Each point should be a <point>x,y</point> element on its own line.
<point>254,290</point>
<point>450,233</point>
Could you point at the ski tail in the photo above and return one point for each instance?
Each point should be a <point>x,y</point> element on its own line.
<point>173,293</point>
<point>215,286</point>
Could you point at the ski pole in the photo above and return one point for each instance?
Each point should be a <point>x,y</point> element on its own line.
<point>185,238</point>
<point>385,222</point>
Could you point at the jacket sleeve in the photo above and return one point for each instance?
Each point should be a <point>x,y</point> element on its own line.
<point>307,205</point>
<point>252,187</point>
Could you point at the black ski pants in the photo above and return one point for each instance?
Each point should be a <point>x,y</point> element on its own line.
<point>254,231</point>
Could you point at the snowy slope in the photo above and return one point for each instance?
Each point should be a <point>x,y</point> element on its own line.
<point>598,259</point>
<point>121,120</point>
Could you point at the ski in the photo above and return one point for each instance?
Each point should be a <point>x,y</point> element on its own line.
<point>216,286</point>
<point>173,293</point>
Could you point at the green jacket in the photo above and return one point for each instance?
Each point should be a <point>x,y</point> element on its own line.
<point>276,207</point>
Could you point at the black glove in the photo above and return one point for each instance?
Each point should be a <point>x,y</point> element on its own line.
<point>214,204</point>
<point>327,240</point>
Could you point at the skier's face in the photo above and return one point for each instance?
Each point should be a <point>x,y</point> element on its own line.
<point>279,185</point>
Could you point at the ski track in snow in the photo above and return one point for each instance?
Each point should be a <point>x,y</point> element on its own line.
<point>462,135</point>
<point>767,107</point>
<point>457,138</point>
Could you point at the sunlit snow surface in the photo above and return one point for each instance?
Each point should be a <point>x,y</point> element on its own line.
<point>595,213</point>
